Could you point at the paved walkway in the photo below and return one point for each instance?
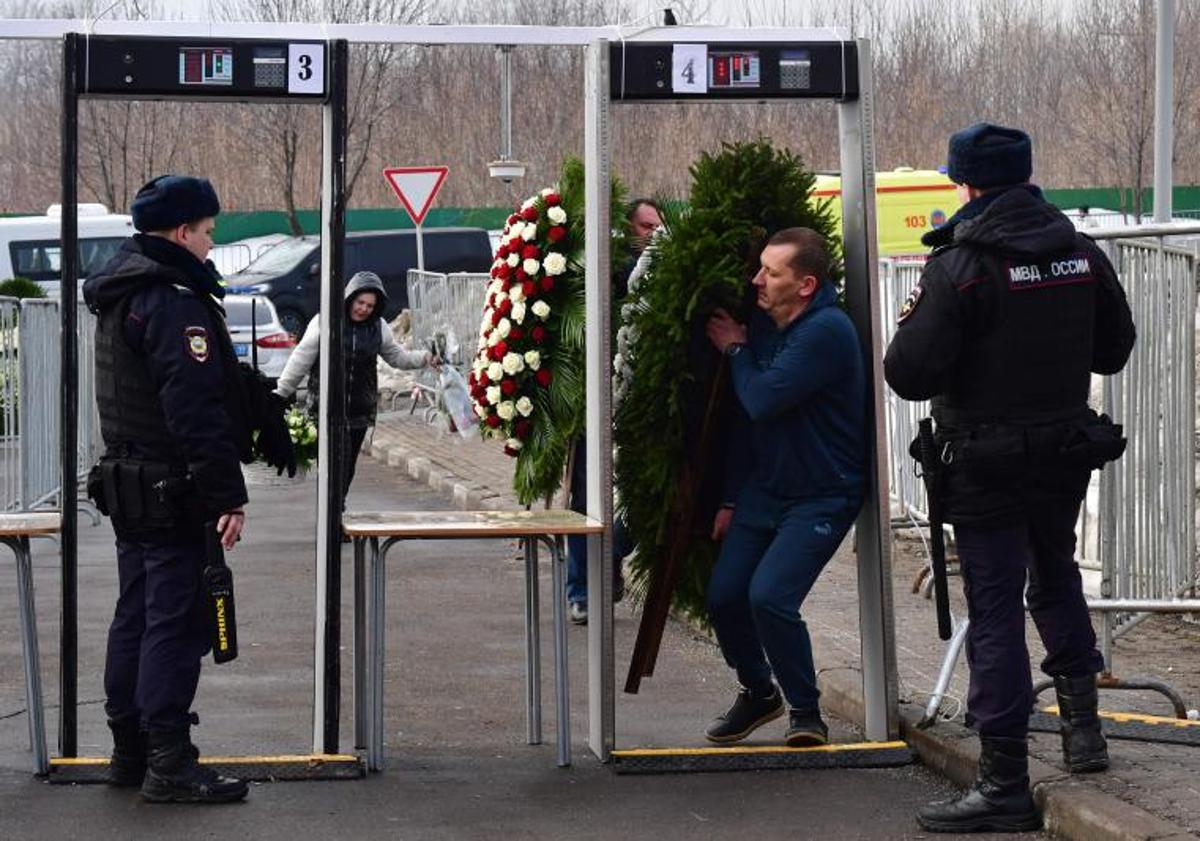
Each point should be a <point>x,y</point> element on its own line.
<point>1151,791</point>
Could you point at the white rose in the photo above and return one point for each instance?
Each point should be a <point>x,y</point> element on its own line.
<point>556,215</point>
<point>541,309</point>
<point>555,263</point>
<point>481,344</point>
<point>493,394</point>
<point>531,266</point>
<point>492,338</point>
<point>518,313</point>
<point>517,293</point>
<point>515,231</point>
<point>513,363</point>
<point>495,372</point>
<point>497,285</point>
<point>513,444</point>
<point>514,260</point>
<point>533,359</point>
<point>548,191</point>
<point>505,410</point>
<point>504,327</point>
<point>529,232</point>
<point>481,411</point>
<point>525,407</point>
<point>528,203</point>
<point>618,361</point>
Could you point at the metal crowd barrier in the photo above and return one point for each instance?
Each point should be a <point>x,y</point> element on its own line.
<point>1146,525</point>
<point>446,309</point>
<point>10,453</point>
<point>30,367</point>
<point>1143,524</point>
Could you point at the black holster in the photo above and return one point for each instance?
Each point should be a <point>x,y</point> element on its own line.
<point>140,496</point>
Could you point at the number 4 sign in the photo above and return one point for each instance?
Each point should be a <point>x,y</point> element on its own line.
<point>689,68</point>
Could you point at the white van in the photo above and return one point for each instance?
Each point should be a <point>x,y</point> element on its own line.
<point>31,246</point>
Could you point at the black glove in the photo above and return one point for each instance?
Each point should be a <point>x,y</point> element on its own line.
<point>274,442</point>
<point>274,439</point>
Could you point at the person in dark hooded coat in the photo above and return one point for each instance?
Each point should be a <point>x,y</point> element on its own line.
<point>366,338</point>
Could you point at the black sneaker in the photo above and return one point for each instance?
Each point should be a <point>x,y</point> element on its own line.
<point>745,716</point>
<point>806,730</point>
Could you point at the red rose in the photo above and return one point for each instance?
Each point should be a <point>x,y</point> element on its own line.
<point>523,428</point>
<point>507,386</point>
<point>496,316</point>
<point>509,451</point>
<point>551,199</point>
<point>547,283</point>
<point>493,421</point>
<point>505,306</point>
<point>520,273</point>
<point>529,288</point>
<point>556,233</point>
<point>529,214</point>
<point>530,252</point>
<point>538,334</point>
<point>503,271</point>
<point>516,334</point>
<point>512,220</point>
<point>502,251</point>
<point>543,377</point>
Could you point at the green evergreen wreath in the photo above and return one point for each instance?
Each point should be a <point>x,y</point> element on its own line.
<point>527,380</point>
<point>740,197</point>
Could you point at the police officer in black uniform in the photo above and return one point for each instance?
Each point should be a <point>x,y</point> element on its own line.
<point>1013,313</point>
<point>176,420</point>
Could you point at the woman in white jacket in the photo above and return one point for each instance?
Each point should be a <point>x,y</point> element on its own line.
<point>366,337</point>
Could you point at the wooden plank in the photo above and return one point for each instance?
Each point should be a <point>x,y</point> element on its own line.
<point>27,524</point>
<point>439,524</point>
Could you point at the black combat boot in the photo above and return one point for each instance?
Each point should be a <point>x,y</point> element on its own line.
<point>128,765</point>
<point>748,713</point>
<point>1084,748</point>
<point>999,801</point>
<point>174,776</point>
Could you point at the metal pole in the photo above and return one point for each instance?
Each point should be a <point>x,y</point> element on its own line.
<point>598,367</point>
<point>872,530</point>
<point>505,102</point>
<point>331,444</point>
<point>420,249</point>
<point>1164,117</point>
<point>68,420</point>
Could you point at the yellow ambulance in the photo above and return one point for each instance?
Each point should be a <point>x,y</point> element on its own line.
<point>908,202</point>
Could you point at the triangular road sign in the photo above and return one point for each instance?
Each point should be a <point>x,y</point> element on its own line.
<point>416,186</point>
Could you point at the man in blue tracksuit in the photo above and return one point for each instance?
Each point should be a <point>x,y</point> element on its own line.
<point>797,371</point>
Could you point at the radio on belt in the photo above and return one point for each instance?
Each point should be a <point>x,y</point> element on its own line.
<point>656,71</point>
<point>210,69</point>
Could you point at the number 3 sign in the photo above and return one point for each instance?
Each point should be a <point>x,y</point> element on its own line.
<point>306,68</point>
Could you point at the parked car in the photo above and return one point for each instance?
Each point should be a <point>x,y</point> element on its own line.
<point>257,334</point>
<point>290,273</point>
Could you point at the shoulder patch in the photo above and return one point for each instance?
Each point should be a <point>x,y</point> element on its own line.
<point>197,343</point>
<point>910,303</point>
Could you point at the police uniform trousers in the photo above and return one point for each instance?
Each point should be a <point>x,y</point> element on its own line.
<point>159,632</point>
<point>769,560</point>
<point>996,559</point>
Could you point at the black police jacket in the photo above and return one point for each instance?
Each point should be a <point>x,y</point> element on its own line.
<point>1013,312</point>
<point>167,382</point>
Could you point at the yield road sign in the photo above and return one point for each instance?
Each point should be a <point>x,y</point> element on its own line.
<point>416,187</point>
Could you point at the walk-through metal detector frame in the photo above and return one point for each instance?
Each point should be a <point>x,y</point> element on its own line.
<point>127,76</point>
<point>872,530</point>
<point>862,297</point>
